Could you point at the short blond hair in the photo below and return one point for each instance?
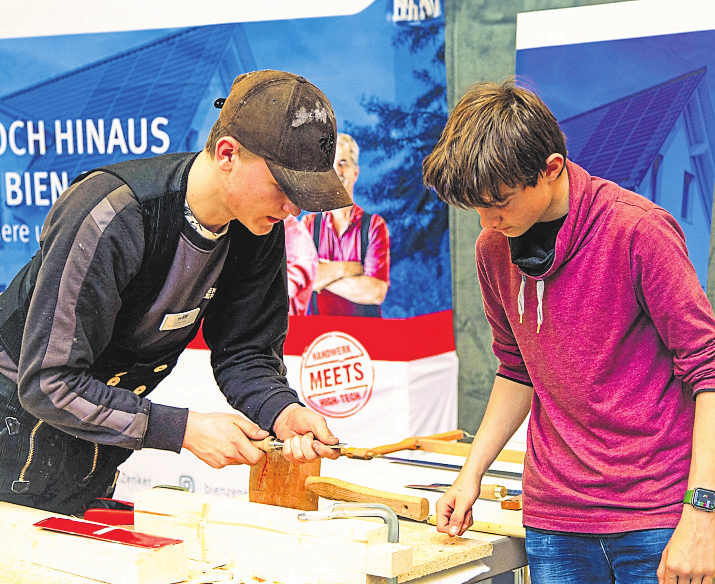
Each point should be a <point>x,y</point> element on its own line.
<point>351,144</point>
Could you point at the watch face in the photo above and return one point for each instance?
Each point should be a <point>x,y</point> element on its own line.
<point>704,499</point>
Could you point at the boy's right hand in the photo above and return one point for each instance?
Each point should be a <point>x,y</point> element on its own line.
<point>454,509</point>
<point>222,439</point>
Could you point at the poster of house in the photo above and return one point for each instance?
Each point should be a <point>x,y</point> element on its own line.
<point>632,86</point>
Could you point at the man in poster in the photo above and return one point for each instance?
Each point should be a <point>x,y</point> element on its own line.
<point>353,249</point>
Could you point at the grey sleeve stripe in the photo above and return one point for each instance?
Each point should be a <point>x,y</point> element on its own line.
<point>84,247</point>
<point>67,392</point>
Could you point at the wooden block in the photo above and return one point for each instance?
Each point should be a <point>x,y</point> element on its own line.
<point>253,535</point>
<point>389,559</point>
<point>90,558</point>
<point>276,481</point>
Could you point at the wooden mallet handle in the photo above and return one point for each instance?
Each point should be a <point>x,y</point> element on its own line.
<point>408,506</point>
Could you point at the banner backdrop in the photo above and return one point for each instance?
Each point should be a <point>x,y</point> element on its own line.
<point>75,102</point>
<point>632,87</point>
<point>84,86</point>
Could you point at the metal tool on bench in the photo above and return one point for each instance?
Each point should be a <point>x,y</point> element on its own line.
<point>342,510</point>
<point>444,443</point>
<point>491,472</point>
<point>272,443</point>
<point>494,492</point>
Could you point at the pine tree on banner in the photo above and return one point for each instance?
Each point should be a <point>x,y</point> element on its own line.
<point>396,144</point>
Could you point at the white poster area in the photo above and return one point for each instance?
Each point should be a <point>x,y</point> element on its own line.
<point>374,384</point>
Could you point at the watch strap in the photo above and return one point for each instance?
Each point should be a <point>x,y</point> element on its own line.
<point>699,498</point>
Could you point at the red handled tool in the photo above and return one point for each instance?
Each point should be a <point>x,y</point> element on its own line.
<point>110,511</point>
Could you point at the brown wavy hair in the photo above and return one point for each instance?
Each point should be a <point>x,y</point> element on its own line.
<point>498,135</point>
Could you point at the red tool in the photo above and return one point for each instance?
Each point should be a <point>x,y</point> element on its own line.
<point>101,531</point>
<point>111,512</point>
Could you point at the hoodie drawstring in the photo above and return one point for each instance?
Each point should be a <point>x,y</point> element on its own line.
<point>540,304</point>
<point>539,299</point>
<point>520,299</point>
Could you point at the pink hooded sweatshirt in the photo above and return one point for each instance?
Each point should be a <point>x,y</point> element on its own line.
<point>615,338</point>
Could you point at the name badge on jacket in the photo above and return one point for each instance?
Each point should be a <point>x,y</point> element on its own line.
<point>173,322</point>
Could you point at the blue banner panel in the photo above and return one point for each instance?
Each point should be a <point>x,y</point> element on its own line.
<point>70,103</point>
<point>637,111</point>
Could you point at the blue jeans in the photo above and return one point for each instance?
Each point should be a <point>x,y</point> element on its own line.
<point>629,558</point>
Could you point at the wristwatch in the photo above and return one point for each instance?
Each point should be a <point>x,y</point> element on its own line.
<point>702,499</point>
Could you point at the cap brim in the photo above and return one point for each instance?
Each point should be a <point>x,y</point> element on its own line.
<point>311,191</point>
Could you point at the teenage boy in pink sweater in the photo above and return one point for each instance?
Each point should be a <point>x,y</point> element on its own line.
<point>604,334</point>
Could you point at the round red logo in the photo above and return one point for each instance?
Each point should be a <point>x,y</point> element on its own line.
<point>336,375</point>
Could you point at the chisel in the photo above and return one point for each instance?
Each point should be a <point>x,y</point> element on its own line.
<point>494,492</point>
<point>272,443</point>
<point>505,474</point>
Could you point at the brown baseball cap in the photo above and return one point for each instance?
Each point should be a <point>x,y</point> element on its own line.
<point>289,122</point>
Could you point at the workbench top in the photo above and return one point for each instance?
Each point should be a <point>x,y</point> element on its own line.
<point>432,552</point>
<point>429,547</point>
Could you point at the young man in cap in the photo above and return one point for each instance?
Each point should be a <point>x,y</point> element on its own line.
<point>134,257</point>
<point>604,334</point>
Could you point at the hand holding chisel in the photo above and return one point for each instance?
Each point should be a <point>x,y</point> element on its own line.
<point>271,443</point>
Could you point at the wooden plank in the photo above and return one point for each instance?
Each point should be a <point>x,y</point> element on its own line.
<point>434,552</point>
<point>194,507</point>
<point>90,558</point>
<point>14,571</point>
<point>345,551</point>
<point>252,536</point>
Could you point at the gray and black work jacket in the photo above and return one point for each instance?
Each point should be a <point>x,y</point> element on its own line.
<point>119,288</point>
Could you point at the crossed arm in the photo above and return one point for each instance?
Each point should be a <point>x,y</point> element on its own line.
<point>347,279</point>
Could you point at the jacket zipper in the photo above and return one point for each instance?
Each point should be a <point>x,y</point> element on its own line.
<point>94,462</point>
<point>21,485</point>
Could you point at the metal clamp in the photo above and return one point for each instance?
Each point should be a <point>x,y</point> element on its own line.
<point>354,510</point>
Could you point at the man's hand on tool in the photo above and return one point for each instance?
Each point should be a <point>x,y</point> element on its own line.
<point>222,439</point>
<point>454,509</point>
<point>304,434</point>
